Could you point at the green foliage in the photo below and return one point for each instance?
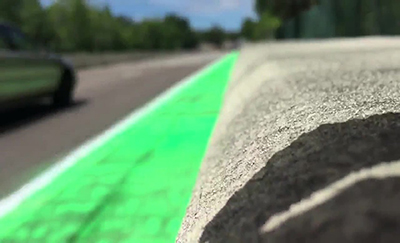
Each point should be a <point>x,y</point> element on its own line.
<point>77,25</point>
<point>264,28</point>
<point>35,19</point>
<point>248,29</point>
<point>263,5</point>
<point>215,35</point>
<point>283,9</point>
<point>10,10</point>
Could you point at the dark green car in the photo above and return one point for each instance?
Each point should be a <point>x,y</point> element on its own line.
<point>28,72</point>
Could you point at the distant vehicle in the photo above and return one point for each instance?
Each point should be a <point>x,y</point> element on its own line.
<point>29,72</point>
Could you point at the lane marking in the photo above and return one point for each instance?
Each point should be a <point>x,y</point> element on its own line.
<point>11,202</point>
<point>381,171</point>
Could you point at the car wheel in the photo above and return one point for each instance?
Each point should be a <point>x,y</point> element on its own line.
<point>63,96</point>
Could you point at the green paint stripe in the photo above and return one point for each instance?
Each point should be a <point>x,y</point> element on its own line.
<point>134,188</point>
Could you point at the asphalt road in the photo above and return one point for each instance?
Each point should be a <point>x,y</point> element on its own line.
<point>306,148</point>
<point>34,137</point>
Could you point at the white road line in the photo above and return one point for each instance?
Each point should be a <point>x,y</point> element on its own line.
<point>381,171</point>
<point>12,201</point>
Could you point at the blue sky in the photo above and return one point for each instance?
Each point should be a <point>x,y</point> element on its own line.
<point>201,13</point>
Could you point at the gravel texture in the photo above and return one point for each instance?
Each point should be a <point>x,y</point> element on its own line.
<point>298,116</point>
<point>374,217</point>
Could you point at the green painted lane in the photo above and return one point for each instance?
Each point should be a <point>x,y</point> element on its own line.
<point>136,186</point>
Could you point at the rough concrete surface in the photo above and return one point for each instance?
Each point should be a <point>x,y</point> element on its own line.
<point>298,117</point>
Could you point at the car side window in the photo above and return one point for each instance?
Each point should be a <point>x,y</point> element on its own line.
<point>14,39</point>
<point>20,41</point>
<point>4,44</point>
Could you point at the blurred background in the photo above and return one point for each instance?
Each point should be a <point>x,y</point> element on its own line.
<point>100,26</point>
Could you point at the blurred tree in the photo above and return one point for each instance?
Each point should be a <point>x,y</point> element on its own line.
<point>79,25</point>
<point>80,28</point>
<point>248,28</point>
<point>35,22</point>
<point>174,32</point>
<point>152,33</point>
<point>183,35</point>
<point>123,33</point>
<point>283,9</point>
<point>10,11</point>
<point>266,26</point>
<point>215,35</point>
<point>102,28</point>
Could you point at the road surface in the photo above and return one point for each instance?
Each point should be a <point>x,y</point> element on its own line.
<point>34,137</point>
<point>307,147</point>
